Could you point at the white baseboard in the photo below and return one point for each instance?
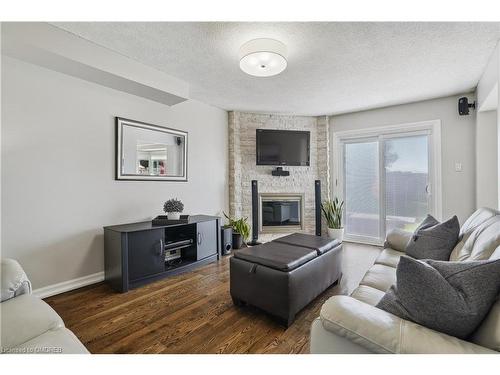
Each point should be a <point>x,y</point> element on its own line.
<point>66,286</point>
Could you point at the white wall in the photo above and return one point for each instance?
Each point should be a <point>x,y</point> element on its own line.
<point>498,129</point>
<point>488,133</point>
<point>487,87</point>
<point>58,187</point>
<point>457,138</point>
<point>486,160</point>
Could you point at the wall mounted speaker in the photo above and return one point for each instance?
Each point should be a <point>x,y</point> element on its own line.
<point>464,105</point>
<point>317,206</point>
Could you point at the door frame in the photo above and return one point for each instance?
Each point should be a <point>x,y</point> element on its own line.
<point>431,127</point>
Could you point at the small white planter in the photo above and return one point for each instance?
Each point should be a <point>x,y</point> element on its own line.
<point>173,215</point>
<point>337,234</point>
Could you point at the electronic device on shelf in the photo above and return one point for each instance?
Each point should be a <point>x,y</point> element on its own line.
<point>172,249</point>
<point>172,255</point>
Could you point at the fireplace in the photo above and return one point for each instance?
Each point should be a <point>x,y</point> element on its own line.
<point>281,213</point>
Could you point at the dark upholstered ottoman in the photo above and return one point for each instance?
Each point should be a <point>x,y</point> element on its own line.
<point>282,276</point>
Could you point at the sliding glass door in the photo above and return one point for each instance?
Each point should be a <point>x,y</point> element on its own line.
<point>407,194</point>
<point>386,183</point>
<point>362,189</point>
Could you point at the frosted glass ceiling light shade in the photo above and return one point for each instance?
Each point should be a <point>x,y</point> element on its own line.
<point>263,57</point>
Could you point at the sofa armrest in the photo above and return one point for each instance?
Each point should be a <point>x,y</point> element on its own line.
<point>381,332</point>
<point>14,280</point>
<point>397,239</point>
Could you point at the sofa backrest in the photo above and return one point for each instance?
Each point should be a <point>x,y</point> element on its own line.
<point>479,237</point>
<point>13,280</point>
<point>480,240</point>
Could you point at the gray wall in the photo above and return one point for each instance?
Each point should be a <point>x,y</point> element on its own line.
<point>457,138</point>
<point>58,186</point>
<point>487,160</point>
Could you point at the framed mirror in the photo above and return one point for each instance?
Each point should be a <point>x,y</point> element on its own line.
<point>150,152</point>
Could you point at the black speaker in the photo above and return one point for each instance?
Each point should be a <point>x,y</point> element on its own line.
<point>255,214</point>
<point>226,236</point>
<point>464,105</point>
<point>317,200</point>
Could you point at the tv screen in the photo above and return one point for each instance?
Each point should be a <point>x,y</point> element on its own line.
<point>282,147</point>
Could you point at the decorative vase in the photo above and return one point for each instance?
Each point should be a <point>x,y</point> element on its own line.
<point>237,240</point>
<point>173,215</point>
<point>336,234</point>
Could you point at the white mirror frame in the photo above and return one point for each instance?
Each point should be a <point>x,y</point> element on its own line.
<point>120,122</point>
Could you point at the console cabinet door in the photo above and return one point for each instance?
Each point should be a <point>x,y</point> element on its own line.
<point>145,253</point>
<point>206,239</point>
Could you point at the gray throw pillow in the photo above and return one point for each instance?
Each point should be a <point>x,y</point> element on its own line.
<point>434,240</point>
<point>450,297</point>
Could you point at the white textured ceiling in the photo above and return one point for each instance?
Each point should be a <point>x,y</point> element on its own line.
<point>332,67</point>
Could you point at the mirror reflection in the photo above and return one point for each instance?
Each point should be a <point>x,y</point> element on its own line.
<point>151,152</point>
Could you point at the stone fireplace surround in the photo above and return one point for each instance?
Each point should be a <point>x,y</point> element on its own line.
<point>243,168</point>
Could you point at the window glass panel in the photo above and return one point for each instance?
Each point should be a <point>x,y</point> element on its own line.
<point>406,179</point>
<point>362,206</point>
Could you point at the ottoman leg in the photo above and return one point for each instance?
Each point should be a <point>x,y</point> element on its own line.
<point>237,302</point>
<point>288,321</point>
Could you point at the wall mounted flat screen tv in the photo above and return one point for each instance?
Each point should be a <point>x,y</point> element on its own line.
<point>283,147</point>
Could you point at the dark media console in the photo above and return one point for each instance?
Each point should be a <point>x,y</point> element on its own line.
<point>138,253</point>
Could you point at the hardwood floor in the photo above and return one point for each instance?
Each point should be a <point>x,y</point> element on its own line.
<point>193,313</point>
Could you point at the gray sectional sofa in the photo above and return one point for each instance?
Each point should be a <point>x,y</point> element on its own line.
<point>28,324</point>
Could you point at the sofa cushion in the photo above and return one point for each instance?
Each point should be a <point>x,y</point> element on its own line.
<point>367,294</point>
<point>277,255</point>
<point>450,297</point>
<point>381,332</point>
<point>496,254</point>
<point>318,243</point>
<point>379,277</point>
<point>397,239</point>
<point>488,333</point>
<point>434,240</point>
<point>57,341</point>
<point>479,217</point>
<point>389,257</point>
<point>481,243</point>
<point>476,219</point>
<point>24,318</point>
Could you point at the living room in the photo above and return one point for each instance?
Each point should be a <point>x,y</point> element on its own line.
<point>220,186</point>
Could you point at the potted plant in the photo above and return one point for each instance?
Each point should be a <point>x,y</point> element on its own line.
<point>173,207</point>
<point>332,211</point>
<point>241,230</point>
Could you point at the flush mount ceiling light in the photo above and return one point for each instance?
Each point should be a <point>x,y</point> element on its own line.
<point>263,57</point>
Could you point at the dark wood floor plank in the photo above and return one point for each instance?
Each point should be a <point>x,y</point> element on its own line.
<point>192,313</point>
